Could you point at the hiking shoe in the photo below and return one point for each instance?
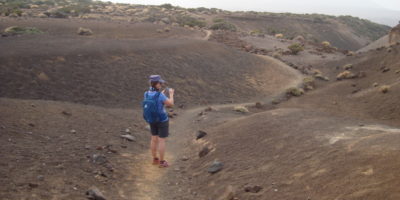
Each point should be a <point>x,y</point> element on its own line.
<point>156,161</point>
<point>163,164</point>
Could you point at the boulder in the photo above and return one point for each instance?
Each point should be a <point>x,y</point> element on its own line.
<point>200,134</point>
<point>215,167</point>
<point>94,194</point>
<point>128,137</point>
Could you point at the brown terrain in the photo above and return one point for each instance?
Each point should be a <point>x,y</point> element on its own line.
<point>326,123</point>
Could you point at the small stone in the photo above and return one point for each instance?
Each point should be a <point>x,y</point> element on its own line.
<point>73,131</point>
<point>66,113</point>
<point>208,109</point>
<point>33,105</point>
<point>253,189</point>
<point>99,159</point>
<point>87,147</point>
<point>3,127</point>
<point>40,177</point>
<point>184,158</point>
<point>147,127</point>
<point>215,167</point>
<point>259,105</point>
<point>204,152</point>
<point>384,69</point>
<point>95,194</point>
<point>275,190</point>
<point>33,185</point>
<point>128,137</point>
<point>375,84</point>
<point>355,90</point>
<point>200,134</point>
<point>127,130</point>
<point>31,124</point>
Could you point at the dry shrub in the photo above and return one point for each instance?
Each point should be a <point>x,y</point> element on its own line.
<point>345,75</point>
<point>384,88</point>
<point>84,31</point>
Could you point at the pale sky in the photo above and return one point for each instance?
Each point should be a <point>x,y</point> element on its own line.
<point>382,11</point>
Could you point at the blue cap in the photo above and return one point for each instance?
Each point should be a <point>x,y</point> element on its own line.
<point>156,78</point>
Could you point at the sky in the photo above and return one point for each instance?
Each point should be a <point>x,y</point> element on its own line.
<point>381,11</point>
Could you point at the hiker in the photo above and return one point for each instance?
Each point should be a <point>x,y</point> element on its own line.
<point>154,113</point>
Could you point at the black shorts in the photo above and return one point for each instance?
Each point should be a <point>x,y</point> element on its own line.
<point>160,129</point>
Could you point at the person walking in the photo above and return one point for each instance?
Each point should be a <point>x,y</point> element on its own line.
<point>156,116</point>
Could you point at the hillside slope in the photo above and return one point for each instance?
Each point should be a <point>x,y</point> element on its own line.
<point>105,71</point>
<point>337,142</point>
<point>344,32</point>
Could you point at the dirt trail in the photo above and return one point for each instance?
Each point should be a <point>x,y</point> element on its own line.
<point>208,34</point>
<point>152,182</point>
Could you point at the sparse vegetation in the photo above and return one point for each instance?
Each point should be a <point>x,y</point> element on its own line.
<point>326,44</point>
<point>16,30</point>
<point>241,109</point>
<point>364,27</point>
<point>294,91</point>
<point>296,48</point>
<point>190,21</point>
<point>347,66</point>
<point>309,83</point>
<point>279,35</point>
<point>384,88</point>
<point>167,6</point>
<point>257,32</point>
<point>223,25</point>
<point>321,77</point>
<point>84,31</point>
<point>345,75</point>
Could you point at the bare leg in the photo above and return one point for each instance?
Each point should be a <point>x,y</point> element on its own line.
<point>154,146</point>
<point>161,147</point>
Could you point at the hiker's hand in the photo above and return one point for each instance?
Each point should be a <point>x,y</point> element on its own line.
<point>171,91</point>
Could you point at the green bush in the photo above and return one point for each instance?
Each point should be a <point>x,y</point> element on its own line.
<point>218,20</point>
<point>223,26</point>
<point>167,6</point>
<point>16,30</point>
<point>190,21</point>
<point>296,48</point>
<point>294,91</point>
<point>74,10</point>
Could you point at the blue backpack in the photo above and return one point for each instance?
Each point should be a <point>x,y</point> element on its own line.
<point>150,108</point>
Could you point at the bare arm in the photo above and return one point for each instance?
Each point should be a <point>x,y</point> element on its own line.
<point>170,101</point>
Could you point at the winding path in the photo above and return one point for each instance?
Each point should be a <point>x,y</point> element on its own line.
<point>150,180</point>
